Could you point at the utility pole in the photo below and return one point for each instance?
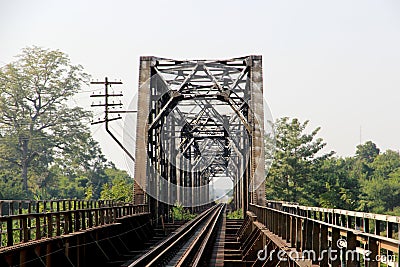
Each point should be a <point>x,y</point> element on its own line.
<point>107,119</point>
<point>107,112</point>
<point>106,105</point>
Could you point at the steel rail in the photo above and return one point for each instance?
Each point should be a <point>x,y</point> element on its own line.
<point>196,251</point>
<point>161,253</point>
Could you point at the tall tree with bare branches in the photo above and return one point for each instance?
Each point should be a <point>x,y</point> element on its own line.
<point>36,122</point>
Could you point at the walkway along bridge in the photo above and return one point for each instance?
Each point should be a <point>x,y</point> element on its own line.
<point>198,122</point>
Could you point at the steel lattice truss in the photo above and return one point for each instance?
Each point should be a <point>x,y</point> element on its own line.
<point>199,124</point>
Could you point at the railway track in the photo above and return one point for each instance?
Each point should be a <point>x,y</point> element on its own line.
<point>190,245</point>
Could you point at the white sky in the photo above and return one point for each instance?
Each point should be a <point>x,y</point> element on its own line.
<point>336,63</point>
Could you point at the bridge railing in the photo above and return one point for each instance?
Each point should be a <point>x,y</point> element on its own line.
<point>379,224</point>
<point>318,229</point>
<point>14,207</point>
<point>25,221</point>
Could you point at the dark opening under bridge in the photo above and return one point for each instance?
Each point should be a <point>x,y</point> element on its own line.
<point>198,122</point>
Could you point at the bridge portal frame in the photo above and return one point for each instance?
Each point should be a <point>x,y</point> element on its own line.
<point>154,104</point>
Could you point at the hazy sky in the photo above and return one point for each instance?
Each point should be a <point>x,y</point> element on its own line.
<point>336,63</point>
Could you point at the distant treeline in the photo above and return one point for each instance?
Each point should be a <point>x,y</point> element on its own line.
<point>369,181</point>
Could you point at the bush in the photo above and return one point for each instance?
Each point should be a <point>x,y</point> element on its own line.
<point>180,213</point>
<point>236,214</point>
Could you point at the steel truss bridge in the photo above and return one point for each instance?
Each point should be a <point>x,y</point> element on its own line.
<point>198,122</point>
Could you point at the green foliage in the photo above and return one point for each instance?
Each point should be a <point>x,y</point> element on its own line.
<point>10,184</point>
<point>367,152</point>
<point>120,188</point>
<point>236,214</point>
<point>295,159</point>
<point>380,191</point>
<point>180,213</point>
<point>332,186</point>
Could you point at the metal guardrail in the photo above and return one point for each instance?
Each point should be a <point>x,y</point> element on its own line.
<point>379,224</point>
<point>318,229</point>
<point>26,220</point>
<point>14,207</point>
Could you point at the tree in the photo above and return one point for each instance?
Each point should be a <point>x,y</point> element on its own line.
<point>296,156</point>
<point>36,123</point>
<point>83,164</point>
<point>368,151</point>
<point>381,195</point>
<point>120,186</point>
<point>381,191</point>
<point>11,187</point>
<point>331,185</point>
<point>385,163</point>
<point>365,155</point>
